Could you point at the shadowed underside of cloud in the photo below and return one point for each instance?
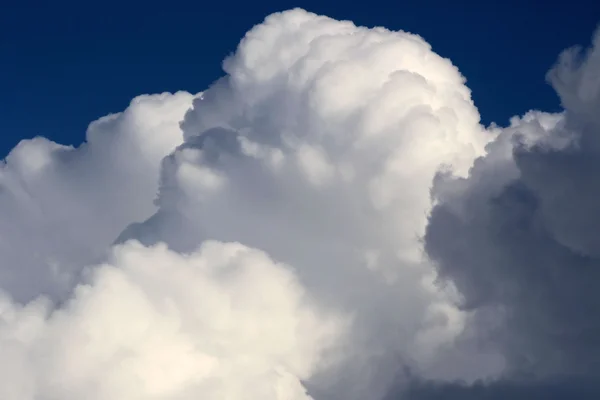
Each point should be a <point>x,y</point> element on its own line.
<point>558,389</point>
<point>519,238</point>
<point>274,238</point>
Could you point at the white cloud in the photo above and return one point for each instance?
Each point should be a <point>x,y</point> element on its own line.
<point>61,207</point>
<point>152,323</point>
<point>325,138</point>
<point>304,178</point>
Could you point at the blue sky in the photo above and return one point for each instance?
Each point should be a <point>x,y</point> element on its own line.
<point>66,64</point>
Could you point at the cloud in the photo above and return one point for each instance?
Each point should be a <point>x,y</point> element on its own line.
<point>519,236</point>
<point>273,237</point>
<point>62,207</point>
<point>559,389</point>
<point>319,147</point>
<point>151,323</point>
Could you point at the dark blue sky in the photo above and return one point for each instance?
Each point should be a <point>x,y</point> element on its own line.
<point>63,65</point>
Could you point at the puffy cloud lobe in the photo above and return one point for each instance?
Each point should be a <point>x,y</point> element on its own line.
<point>519,236</point>
<point>61,207</point>
<point>222,322</point>
<point>319,147</point>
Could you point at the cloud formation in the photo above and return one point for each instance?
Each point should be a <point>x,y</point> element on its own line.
<point>519,236</point>
<point>273,237</point>
<point>154,324</point>
<point>319,147</point>
<point>62,207</point>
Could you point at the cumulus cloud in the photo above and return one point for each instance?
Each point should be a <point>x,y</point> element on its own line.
<point>519,236</point>
<point>273,237</point>
<point>154,324</point>
<point>319,147</point>
<point>61,207</point>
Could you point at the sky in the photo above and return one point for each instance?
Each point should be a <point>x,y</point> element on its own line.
<point>324,217</point>
<point>67,63</point>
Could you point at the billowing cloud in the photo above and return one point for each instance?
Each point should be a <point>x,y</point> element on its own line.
<point>154,324</point>
<point>264,239</point>
<point>61,207</point>
<point>519,236</point>
<point>319,147</point>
